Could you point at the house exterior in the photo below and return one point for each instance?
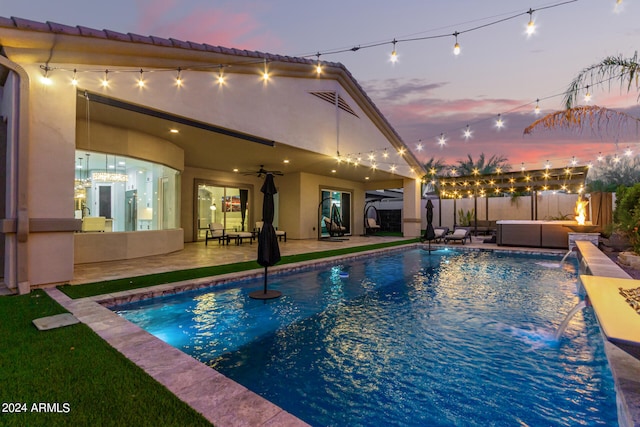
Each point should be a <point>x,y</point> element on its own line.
<point>121,146</point>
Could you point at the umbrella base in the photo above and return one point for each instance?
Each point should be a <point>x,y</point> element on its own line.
<point>270,294</point>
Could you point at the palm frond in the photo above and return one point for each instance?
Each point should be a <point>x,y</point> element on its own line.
<point>626,70</point>
<point>600,121</point>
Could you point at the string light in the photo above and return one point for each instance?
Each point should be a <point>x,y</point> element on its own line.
<point>587,96</point>
<point>537,109</point>
<point>442,141</point>
<point>574,161</point>
<point>467,133</point>
<point>141,80</point>
<point>531,26</point>
<point>265,74</point>
<point>105,79</point>
<point>499,122</point>
<point>318,65</point>
<point>220,76</point>
<point>179,78</point>
<point>547,165</point>
<point>419,146</point>
<point>628,152</point>
<point>74,79</point>
<point>456,47</point>
<point>522,168</point>
<point>394,54</point>
<point>46,80</point>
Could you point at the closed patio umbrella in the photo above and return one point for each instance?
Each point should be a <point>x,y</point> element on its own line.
<point>268,249</point>
<point>429,233</point>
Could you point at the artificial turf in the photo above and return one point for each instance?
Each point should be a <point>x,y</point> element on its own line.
<point>109,286</point>
<point>73,377</point>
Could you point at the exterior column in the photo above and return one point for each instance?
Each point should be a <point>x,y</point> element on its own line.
<point>411,208</point>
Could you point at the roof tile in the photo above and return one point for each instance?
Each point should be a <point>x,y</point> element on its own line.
<point>114,35</point>
<point>92,32</point>
<point>140,39</point>
<point>63,29</point>
<point>26,24</point>
<point>180,43</point>
<point>161,41</point>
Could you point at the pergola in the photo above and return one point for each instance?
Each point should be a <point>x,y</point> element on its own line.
<point>504,184</point>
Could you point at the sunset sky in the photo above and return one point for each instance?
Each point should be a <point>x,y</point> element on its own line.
<point>429,91</point>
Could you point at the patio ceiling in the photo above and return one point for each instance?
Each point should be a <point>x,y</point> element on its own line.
<point>210,147</point>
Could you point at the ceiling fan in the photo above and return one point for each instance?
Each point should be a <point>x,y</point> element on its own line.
<point>262,171</point>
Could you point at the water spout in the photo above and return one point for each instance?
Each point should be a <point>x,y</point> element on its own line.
<point>565,322</point>
<point>564,258</point>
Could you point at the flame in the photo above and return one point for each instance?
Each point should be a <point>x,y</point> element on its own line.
<point>581,211</point>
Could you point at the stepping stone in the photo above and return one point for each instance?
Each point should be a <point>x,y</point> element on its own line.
<point>57,321</point>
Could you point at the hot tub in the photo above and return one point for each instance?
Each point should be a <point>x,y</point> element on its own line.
<point>535,233</point>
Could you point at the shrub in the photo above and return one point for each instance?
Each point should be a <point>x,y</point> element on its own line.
<point>627,214</point>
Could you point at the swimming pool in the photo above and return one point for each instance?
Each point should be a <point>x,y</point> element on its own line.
<point>405,339</point>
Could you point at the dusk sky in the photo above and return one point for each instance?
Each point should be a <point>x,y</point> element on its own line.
<point>429,91</point>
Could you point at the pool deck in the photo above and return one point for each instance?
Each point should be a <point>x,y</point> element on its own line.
<point>217,398</point>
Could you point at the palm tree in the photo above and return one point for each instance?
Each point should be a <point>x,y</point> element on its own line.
<point>626,70</point>
<point>483,166</point>
<point>599,120</point>
<point>434,167</point>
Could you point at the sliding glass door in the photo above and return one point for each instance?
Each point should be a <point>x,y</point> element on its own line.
<point>224,205</point>
<point>336,205</point>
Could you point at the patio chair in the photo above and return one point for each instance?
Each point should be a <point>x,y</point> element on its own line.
<point>372,226</point>
<point>459,234</point>
<point>334,228</point>
<point>215,231</point>
<point>281,234</point>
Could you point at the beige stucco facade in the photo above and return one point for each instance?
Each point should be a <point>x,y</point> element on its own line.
<point>238,125</point>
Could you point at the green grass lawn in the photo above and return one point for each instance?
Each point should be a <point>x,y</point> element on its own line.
<point>99,288</point>
<point>74,366</point>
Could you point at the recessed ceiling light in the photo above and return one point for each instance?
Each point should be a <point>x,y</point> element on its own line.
<point>174,130</point>
<point>333,171</point>
<point>366,178</point>
<point>235,169</point>
<point>285,161</point>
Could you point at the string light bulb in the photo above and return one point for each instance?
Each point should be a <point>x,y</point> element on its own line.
<point>628,152</point>
<point>442,141</point>
<point>600,157</point>
<point>456,47</point>
<point>467,133</point>
<point>394,54</point>
<point>46,80</point>
<point>265,74</point>
<point>74,79</point>
<point>318,65</point>
<point>105,79</point>
<point>141,79</point>
<point>179,78</point>
<point>587,96</point>
<point>537,109</point>
<point>531,26</point>
<point>220,76</point>
<point>499,122</point>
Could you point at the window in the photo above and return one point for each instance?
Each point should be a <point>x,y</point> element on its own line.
<point>132,194</point>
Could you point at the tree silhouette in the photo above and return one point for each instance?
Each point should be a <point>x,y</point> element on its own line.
<point>483,166</point>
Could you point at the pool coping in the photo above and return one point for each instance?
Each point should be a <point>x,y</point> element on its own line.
<point>225,402</point>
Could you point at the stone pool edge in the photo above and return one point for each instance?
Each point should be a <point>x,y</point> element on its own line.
<point>625,368</point>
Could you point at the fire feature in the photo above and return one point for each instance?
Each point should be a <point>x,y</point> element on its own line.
<point>581,211</point>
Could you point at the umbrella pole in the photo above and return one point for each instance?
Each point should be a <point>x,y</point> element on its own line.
<point>265,280</point>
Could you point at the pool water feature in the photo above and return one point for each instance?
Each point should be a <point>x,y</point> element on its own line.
<point>404,339</point>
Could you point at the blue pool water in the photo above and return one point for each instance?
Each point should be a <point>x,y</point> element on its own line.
<point>405,339</point>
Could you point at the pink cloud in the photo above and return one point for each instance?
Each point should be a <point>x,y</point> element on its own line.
<point>204,24</point>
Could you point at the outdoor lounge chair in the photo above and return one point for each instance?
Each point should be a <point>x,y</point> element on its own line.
<point>215,231</point>
<point>239,236</point>
<point>372,226</point>
<point>440,233</point>
<point>281,234</point>
<point>459,234</point>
